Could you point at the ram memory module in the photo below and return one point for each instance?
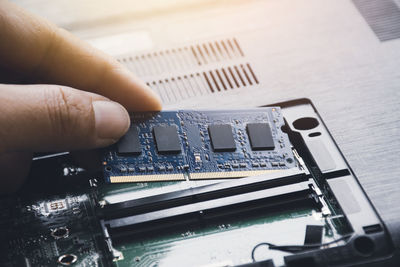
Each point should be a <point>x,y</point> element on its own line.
<point>195,145</point>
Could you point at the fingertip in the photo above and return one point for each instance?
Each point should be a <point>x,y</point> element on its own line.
<point>131,91</point>
<point>154,101</point>
<point>146,99</point>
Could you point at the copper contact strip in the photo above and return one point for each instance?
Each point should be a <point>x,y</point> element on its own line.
<point>147,178</point>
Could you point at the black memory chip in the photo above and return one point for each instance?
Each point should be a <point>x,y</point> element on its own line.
<point>260,136</point>
<point>222,137</point>
<point>167,139</point>
<point>130,143</point>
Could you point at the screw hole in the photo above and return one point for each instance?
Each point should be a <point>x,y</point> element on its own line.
<point>60,232</point>
<point>67,259</point>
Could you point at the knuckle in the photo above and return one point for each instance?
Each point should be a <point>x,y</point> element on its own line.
<point>66,112</point>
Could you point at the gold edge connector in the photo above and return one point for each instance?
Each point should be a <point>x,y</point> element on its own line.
<point>147,178</point>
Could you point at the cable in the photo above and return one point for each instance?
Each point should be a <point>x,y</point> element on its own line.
<point>295,248</point>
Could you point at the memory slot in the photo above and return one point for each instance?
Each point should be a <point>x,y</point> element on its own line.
<point>201,193</point>
<point>203,212</point>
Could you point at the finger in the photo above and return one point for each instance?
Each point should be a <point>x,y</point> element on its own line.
<point>53,118</point>
<point>32,45</point>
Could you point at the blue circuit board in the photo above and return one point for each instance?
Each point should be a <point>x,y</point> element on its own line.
<point>195,155</point>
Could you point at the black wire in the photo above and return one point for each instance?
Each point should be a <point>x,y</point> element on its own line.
<point>257,246</point>
<point>295,248</point>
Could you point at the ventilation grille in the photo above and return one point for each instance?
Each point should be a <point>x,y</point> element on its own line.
<point>194,70</point>
<point>182,58</point>
<point>205,82</point>
<point>383,16</point>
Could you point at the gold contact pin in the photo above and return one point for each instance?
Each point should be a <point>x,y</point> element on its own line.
<point>147,178</point>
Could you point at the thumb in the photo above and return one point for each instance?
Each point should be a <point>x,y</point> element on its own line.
<point>51,117</point>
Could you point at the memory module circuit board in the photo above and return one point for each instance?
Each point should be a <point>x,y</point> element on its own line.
<point>194,145</point>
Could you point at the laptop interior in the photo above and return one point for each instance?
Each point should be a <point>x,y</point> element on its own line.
<point>240,169</point>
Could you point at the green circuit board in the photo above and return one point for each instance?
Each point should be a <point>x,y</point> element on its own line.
<point>222,244</point>
<point>36,236</point>
<point>66,215</point>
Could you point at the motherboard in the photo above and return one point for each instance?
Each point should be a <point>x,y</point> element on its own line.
<point>181,188</point>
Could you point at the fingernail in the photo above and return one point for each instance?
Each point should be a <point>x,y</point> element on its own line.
<point>112,119</point>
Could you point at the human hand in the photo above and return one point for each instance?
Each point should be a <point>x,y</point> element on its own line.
<point>40,65</point>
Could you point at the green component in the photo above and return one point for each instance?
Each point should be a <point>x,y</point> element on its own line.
<point>229,242</point>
